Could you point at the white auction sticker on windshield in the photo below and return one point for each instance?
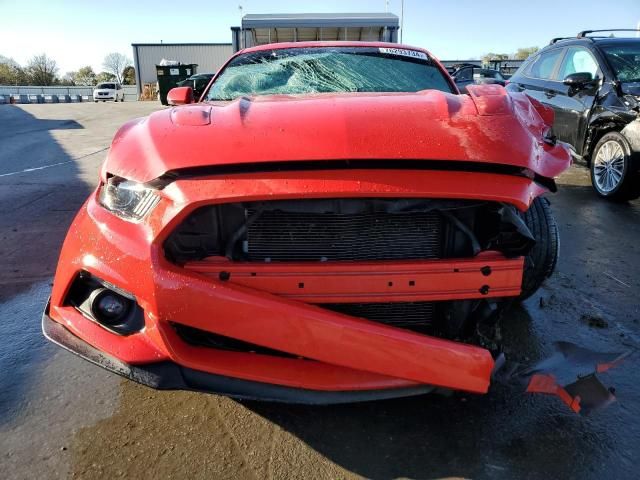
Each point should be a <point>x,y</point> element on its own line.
<point>403,52</point>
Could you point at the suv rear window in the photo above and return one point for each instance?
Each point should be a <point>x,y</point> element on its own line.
<point>543,65</point>
<point>464,75</point>
<point>577,60</point>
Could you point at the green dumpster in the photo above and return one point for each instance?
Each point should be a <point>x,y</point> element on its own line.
<point>170,75</point>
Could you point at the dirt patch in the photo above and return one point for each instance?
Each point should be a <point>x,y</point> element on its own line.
<point>191,435</point>
<point>594,321</point>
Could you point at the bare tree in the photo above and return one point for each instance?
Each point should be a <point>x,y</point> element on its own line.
<point>115,63</point>
<point>42,70</point>
<point>68,79</point>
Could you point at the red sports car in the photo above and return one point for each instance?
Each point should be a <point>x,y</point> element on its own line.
<point>330,222</point>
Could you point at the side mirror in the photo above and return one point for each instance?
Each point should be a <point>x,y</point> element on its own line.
<point>578,80</point>
<point>180,96</point>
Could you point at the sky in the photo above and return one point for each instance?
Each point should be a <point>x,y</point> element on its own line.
<point>77,33</point>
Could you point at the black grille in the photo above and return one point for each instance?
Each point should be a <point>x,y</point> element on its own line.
<point>419,316</point>
<point>202,338</point>
<point>299,236</point>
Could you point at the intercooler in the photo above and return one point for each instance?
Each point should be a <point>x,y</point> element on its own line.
<point>419,316</point>
<point>278,235</point>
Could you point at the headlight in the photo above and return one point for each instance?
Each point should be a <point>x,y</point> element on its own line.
<point>127,199</point>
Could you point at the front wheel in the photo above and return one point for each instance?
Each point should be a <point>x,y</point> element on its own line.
<point>612,172</point>
<point>541,261</point>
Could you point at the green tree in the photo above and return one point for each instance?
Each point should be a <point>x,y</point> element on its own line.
<point>7,77</point>
<point>11,73</point>
<point>524,53</point>
<point>105,77</point>
<point>129,75</point>
<point>85,76</point>
<point>490,57</point>
<point>41,70</point>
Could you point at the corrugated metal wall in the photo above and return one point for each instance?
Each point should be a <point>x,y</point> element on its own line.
<point>208,56</point>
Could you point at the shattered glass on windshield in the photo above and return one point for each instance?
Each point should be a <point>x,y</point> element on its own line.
<point>625,60</point>
<point>324,70</point>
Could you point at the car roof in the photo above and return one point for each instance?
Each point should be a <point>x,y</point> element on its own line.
<point>615,40</point>
<point>585,41</point>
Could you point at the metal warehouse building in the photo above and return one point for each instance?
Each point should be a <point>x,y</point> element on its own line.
<point>273,28</point>
<point>208,56</point>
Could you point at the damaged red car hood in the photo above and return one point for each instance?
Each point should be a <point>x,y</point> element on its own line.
<point>489,126</point>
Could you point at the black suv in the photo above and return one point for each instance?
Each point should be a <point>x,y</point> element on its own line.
<point>470,75</point>
<point>198,82</point>
<point>593,84</point>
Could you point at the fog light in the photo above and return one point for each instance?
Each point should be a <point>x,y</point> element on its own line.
<point>105,304</point>
<point>108,307</point>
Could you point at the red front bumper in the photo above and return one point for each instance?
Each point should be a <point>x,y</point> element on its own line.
<point>265,304</point>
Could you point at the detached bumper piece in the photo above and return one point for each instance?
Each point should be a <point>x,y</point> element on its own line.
<point>570,374</point>
<point>168,375</point>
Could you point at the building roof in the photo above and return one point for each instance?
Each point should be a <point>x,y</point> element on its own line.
<point>320,44</point>
<point>317,20</point>
<point>176,44</point>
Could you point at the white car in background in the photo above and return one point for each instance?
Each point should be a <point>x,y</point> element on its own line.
<point>108,91</point>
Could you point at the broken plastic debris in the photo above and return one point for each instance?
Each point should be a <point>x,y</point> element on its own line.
<point>569,373</point>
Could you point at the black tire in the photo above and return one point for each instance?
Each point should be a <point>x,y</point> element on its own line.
<point>541,260</point>
<point>628,187</point>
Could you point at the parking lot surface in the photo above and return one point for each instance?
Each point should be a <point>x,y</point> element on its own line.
<point>63,417</point>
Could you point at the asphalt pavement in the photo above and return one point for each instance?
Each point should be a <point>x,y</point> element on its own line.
<point>62,417</point>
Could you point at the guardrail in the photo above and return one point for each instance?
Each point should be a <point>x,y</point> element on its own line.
<point>35,94</point>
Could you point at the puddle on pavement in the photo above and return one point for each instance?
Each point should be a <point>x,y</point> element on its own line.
<point>45,393</point>
<point>22,347</point>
